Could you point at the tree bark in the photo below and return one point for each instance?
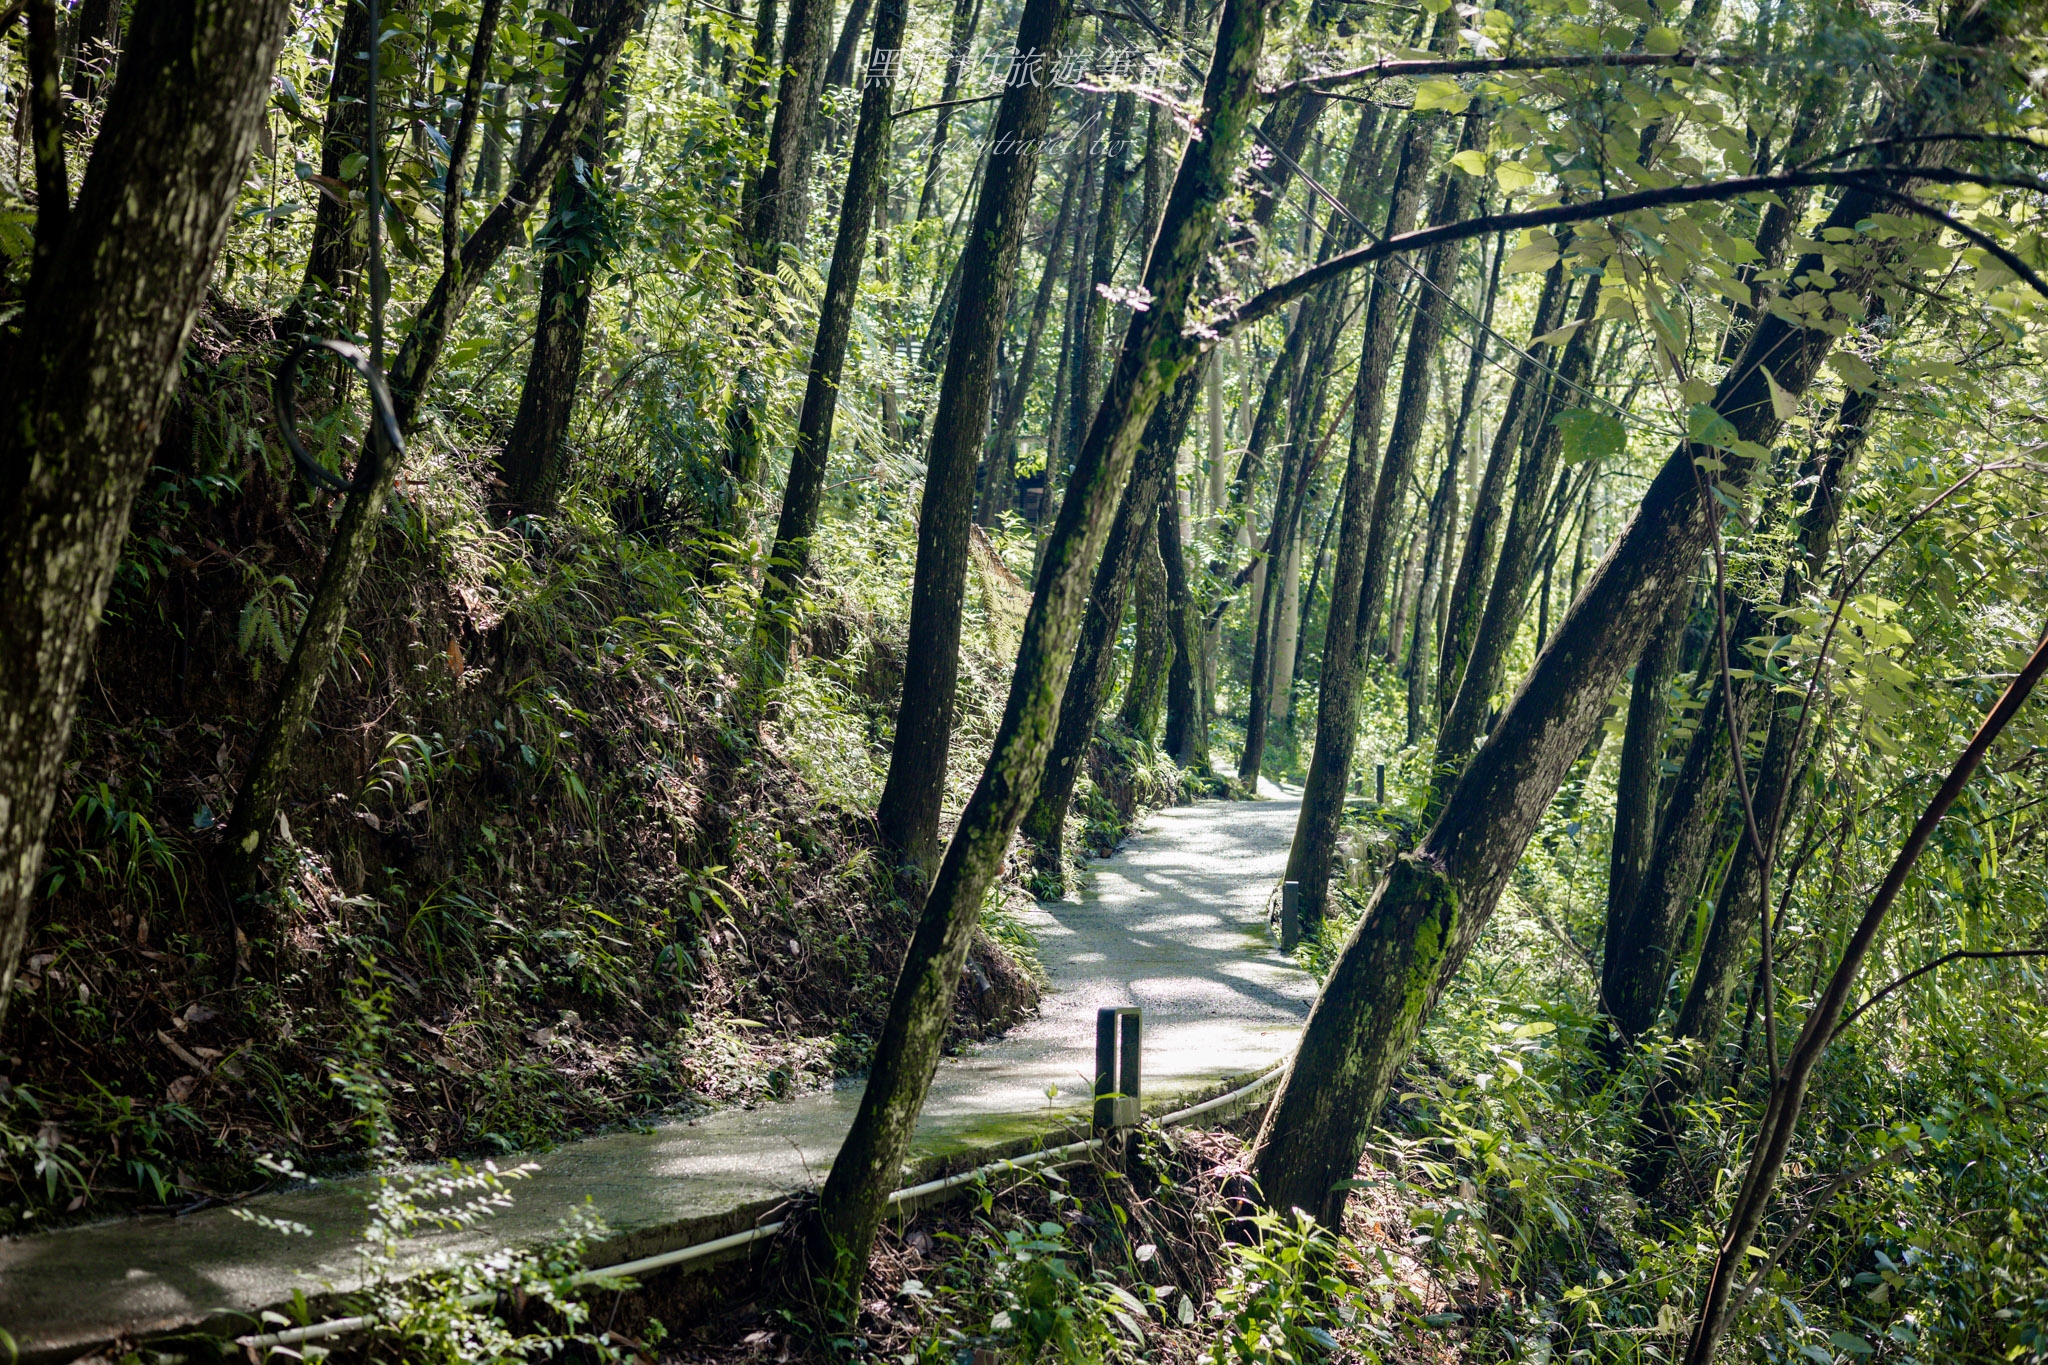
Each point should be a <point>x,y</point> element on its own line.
<point>999,468</point>
<point>1156,352</point>
<point>1187,730</point>
<point>907,817</point>
<point>804,491</point>
<point>1095,650</point>
<point>966,18</point>
<point>89,370</point>
<point>1425,915</point>
<point>1641,775</point>
<point>1365,528</point>
<point>575,241</point>
<point>775,201</point>
<point>1469,591</point>
<point>1486,669</point>
<point>355,535</point>
<point>1151,642</point>
<point>334,262</point>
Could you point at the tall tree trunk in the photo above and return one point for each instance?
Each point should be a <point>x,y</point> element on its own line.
<point>999,466</point>
<point>1739,905</point>
<point>355,534</point>
<point>1155,354</point>
<point>907,817</point>
<point>966,18</point>
<point>1469,591</point>
<point>1443,511</point>
<point>1425,915</point>
<point>1187,730</point>
<point>775,201</point>
<point>1486,669</point>
<point>334,262</point>
<point>1095,651</point>
<point>90,367</point>
<point>1372,491</point>
<point>1151,642</point>
<point>804,491</point>
<point>1641,771</point>
<point>535,459</point>
<point>1287,633</point>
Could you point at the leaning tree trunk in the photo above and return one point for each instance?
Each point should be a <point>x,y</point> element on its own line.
<point>804,491</point>
<point>1095,652</point>
<point>1740,903</point>
<point>907,817</point>
<point>1313,853</point>
<point>966,17</point>
<point>535,459</point>
<point>1426,913</point>
<point>1156,352</point>
<point>90,367</point>
<point>355,534</point>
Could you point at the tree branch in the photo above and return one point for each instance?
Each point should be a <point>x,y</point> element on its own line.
<point>465,127</point>
<point>1924,969</point>
<point>1390,68</point>
<point>1272,300</point>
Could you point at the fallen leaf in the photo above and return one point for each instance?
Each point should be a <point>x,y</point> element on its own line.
<point>181,1089</point>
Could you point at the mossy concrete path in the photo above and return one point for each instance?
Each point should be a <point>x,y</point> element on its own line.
<point>1174,923</point>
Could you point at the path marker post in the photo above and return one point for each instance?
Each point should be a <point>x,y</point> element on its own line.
<point>1118,1047</point>
<point>1379,784</point>
<point>1290,916</point>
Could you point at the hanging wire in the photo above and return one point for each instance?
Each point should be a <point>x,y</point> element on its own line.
<point>385,440</point>
<point>1479,325</point>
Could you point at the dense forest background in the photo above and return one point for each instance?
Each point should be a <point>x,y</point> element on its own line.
<point>840,466</point>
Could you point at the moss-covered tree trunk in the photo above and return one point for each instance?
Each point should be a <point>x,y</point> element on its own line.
<point>1151,641</point>
<point>804,491</point>
<point>355,534</point>
<point>1095,650</point>
<point>1425,915</point>
<point>91,365</point>
<point>1155,353</point>
<point>908,814</point>
<point>1187,731</point>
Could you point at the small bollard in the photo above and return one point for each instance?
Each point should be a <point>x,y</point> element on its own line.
<point>1118,1047</point>
<point>1379,784</point>
<point>1290,915</point>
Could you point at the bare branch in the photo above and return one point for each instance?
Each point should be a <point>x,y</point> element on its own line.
<point>1984,955</point>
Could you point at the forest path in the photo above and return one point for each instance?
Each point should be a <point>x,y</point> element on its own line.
<point>1174,923</point>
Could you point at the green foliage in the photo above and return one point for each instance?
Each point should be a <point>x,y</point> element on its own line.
<point>1279,1290</point>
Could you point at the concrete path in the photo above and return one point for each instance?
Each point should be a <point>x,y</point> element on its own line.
<point>1174,923</point>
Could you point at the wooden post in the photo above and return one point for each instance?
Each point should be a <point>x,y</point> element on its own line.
<point>1290,915</point>
<point>1118,1049</point>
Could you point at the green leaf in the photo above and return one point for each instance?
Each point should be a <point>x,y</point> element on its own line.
<point>1587,435</point>
<point>1708,427</point>
<point>1850,1342</point>
<point>1786,405</point>
<point>1513,176</point>
<point>1440,94</point>
<point>1661,40</point>
<point>1471,161</point>
<point>1854,372</point>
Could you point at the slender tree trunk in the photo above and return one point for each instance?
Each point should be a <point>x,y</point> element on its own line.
<point>1640,774</point>
<point>1287,634</point>
<point>536,458</point>
<point>1151,642</point>
<point>1370,495</point>
<point>908,815</point>
<point>355,535</point>
<point>90,367</point>
<point>775,201</point>
<point>1425,915</point>
<point>1443,512</point>
<point>1486,669</point>
<point>1187,730</point>
<point>1095,651</point>
<point>966,18</point>
<point>1469,591</point>
<point>804,491</point>
<point>334,262</point>
<point>1155,354</point>
<point>999,477</point>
